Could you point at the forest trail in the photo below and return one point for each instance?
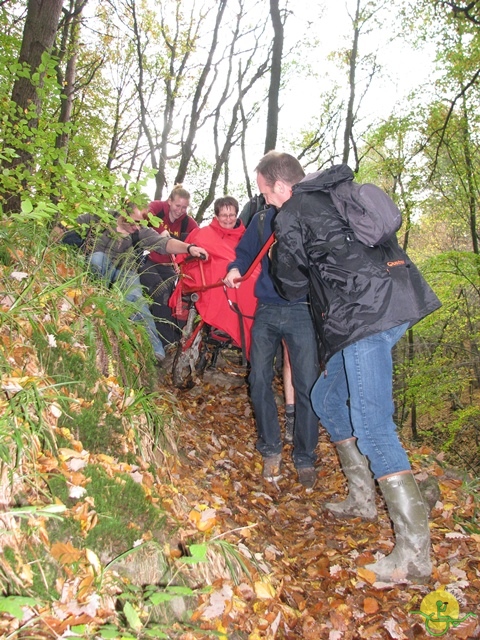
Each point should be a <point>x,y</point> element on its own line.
<point>314,563</point>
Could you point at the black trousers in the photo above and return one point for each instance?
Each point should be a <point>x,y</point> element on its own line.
<point>160,281</point>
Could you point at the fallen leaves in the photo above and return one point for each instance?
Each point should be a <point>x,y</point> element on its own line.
<point>302,572</point>
<point>370,605</point>
<point>367,575</point>
<point>203,517</point>
<point>220,602</point>
<point>19,275</point>
<point>65,553</point>
<point>264,590</point>
<point>318,584</point>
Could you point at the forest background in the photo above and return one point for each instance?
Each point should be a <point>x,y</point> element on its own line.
<point>101,100</point>
<point>107,100</point>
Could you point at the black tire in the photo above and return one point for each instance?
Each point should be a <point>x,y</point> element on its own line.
<point>203,360</point>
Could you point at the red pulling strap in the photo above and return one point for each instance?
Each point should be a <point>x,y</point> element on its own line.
<point>259,257</point>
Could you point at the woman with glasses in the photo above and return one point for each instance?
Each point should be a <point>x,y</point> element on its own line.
<point>215,306</point>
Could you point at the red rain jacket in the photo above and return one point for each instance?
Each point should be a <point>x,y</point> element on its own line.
<point>213,305</point>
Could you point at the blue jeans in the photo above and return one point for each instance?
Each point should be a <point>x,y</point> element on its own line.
<point>129,282</point>
<point>292,323</point>
<point>355,398</point>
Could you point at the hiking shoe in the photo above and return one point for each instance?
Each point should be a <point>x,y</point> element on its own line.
<point>307,476</point>
<point>289,423</point>
<point>272,466</point>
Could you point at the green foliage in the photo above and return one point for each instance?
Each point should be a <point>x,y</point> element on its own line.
<point>43,511</point>
<point>41,581</point>
<point>70,355</point>
<point>465,417</point>
<point>444,369</point>
<point>124,512</point>
<point>460,438</point>
<point>45,572</point>
<point>25,419</point>
<point>57,485</point>
<point>13,605</point>
<point>90,426</point>
<point>67,321</point>
<point>64,183</point>
<point>153,610</point>
<point>472,488</point>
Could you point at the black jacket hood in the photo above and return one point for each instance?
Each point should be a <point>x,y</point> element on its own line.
<point>325,179</point>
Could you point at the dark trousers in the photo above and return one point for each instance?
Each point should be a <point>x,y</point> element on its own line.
<point>292,323</point>
<point>160,280</point>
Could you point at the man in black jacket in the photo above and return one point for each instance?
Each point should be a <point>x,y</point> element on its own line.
<point>363,300</point>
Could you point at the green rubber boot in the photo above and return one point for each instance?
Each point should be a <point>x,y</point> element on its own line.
<point>360,501</point>
<point>410,559</point>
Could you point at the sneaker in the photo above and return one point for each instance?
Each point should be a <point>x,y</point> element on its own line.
<point>289,423</point>
<point>272,466</point>
<point>307,476</point>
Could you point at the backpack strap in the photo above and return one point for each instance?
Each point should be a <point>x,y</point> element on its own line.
<point>135,238</point>
<point>138,253</point>
<point>261,223</point>
<point>254,205</point>
<point>183,228</point>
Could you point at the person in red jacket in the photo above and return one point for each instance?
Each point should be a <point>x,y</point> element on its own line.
<point>159,274</point>
<point>214,305</point>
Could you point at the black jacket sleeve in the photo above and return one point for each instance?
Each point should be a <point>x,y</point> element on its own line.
<point>289,258</point>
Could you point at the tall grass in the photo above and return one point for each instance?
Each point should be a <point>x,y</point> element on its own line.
<point>70,357</point>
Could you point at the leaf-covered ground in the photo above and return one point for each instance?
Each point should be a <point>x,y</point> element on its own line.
<point>318,587</point>
<point>306,576</point>
<point>306,570</point>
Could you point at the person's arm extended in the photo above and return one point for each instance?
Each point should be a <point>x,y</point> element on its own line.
<point>245,253</point>
<point>86,218</point>
<point>231,278</point>
<point>150,240</point>
<point>178,246</point>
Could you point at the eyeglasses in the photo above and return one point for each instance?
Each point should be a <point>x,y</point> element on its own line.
<point>227,215</point>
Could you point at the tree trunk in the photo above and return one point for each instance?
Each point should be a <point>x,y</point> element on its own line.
<point>348,133</point>
<point>198,102</point>
<point>470,182</point>
<point>141,99</point>
<point>275,77</point>
<point>38,37</point>
<point>232,135</point>
<point>69,51</point>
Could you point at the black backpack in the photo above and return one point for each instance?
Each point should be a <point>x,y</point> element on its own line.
<point>254,205</point>
<point>369,211</point>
